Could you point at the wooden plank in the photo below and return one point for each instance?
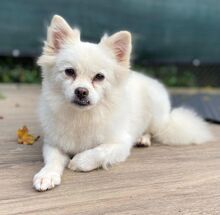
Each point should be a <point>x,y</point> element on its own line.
<point>156,180</point>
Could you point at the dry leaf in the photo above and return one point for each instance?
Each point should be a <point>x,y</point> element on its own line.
<point>24,137</point>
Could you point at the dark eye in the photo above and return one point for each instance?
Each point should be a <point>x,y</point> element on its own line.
<point>99,77</point>
<point>70,72</point>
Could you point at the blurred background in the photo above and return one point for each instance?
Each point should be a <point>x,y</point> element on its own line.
<point>177,42</point>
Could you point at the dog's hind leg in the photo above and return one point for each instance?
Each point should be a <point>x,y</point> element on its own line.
<point>144,140</point>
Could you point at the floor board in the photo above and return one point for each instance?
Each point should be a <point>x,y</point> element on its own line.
<point>156,180</point>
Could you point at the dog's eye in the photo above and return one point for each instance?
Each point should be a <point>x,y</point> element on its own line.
<point>99,77</point>
<point>70,72</point>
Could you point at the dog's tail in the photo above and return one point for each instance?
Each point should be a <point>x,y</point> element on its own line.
<point>184,127</point>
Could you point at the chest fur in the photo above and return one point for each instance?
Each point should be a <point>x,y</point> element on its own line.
<point>74,134</point>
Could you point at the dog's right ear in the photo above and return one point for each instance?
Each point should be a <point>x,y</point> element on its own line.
<point>59,33</point>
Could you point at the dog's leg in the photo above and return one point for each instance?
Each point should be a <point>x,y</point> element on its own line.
<point>102,156</point>
<point>144,140</point>
<point>50,175</point>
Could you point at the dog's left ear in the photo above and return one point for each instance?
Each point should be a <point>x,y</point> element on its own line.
<point>120,45</point>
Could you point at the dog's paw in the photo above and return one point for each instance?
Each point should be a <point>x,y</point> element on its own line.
<point>85,161</point>
<point>144,141</point>
<point>46,180</point>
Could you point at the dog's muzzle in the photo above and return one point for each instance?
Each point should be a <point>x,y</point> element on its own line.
<point>81,96</point>
<point>81,102</point>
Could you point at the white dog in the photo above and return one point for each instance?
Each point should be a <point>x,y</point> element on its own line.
<point>95,108</point>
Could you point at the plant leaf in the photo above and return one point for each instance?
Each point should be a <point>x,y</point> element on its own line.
<point>24,137</point>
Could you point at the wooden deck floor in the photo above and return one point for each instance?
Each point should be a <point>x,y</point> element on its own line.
<point>156,180</point>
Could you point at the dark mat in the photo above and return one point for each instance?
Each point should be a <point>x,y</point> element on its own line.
<point>207,105</point>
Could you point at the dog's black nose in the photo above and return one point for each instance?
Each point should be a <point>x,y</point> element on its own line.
<point>81,92</point>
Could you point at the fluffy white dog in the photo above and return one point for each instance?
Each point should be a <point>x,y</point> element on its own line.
<point>95,108</point>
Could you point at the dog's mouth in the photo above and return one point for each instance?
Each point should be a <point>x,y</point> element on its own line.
<point>81,102</point>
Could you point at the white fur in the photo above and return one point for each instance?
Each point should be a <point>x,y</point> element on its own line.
<point>123,107</point>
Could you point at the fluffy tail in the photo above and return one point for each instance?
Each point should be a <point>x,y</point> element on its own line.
<point>184,127</point>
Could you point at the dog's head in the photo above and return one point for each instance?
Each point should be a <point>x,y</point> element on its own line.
<point>82,73</point>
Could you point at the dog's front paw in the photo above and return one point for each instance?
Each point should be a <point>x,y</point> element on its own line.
<point>85,161</point>
<point>46,180</point>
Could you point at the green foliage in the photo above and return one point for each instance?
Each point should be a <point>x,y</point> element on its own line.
<point>171,75</point>
<point>19,71</point>
<point>2,96</point>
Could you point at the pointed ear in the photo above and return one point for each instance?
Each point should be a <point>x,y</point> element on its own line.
<point>120,45</point>
<point>59,32</point>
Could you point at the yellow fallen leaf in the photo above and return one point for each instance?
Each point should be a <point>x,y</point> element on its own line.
<point>24,137</point>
